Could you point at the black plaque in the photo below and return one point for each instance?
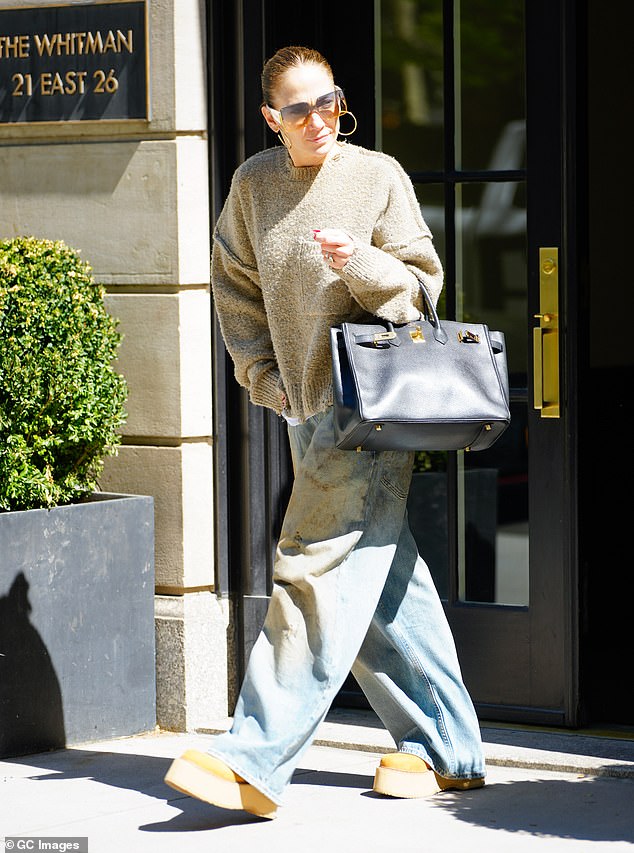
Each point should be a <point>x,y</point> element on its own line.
<point>74,63</point>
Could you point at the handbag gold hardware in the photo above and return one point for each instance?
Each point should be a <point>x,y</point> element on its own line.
<point>417,335</point>
<point>468,337</point>
<point>383,336</point>
<point>487,428</point>
<point>546,336</point>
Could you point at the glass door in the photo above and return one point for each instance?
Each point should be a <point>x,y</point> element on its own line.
<point>476,99</point>
<point>458,84</point>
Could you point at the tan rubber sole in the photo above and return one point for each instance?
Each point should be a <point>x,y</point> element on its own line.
<point>401,783</point>
<point>190,779</point>
<point>459,784</point>
<point>407,785</point>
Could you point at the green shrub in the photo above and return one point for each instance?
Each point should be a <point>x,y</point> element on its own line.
<point>61,402</point>
<point>430,461</point>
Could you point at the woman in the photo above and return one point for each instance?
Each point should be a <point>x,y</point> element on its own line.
<point>312,234</point>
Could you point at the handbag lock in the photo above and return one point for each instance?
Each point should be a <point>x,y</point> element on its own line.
<point>380,337</point>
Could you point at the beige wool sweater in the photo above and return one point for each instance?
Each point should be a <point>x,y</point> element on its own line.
<point>276,298</point>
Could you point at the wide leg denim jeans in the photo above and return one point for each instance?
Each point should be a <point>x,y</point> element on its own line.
<point>350,592</point>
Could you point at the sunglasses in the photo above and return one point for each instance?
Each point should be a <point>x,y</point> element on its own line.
<point>329,106</point>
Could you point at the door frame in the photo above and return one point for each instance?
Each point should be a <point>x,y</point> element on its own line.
<point>252,464</point>
<point>535,650</point>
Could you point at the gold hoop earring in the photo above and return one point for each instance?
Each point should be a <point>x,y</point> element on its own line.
<point>354,118</point>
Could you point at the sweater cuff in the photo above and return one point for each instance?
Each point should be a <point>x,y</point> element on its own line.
<point>267,391</point>
<point>361,264</point>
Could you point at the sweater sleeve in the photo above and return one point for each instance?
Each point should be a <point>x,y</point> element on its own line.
<point>379,275</point>
<point>241,310</point>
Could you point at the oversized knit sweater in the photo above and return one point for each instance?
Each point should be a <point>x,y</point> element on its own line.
<point>276,298</point>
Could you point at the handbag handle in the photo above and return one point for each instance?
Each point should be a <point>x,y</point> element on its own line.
<point>429,310</point>
<point>390,338</point>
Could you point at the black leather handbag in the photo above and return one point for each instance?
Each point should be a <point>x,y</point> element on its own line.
<point>424,385</point>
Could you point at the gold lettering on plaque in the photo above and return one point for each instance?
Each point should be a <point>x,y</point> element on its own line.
<point>16,47</point>
<point>69,44</point>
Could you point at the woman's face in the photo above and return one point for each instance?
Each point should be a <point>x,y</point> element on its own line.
<point>312,142</point>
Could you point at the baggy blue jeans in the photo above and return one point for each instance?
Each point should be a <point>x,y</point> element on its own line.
<point>350,593</point>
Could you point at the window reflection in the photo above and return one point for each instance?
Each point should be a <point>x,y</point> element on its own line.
<point>488,242</point>
<point>411,87</point>
<point>489,76</point>
<point>428,508</point>
<point>491,287</point>
<point>492,228</point>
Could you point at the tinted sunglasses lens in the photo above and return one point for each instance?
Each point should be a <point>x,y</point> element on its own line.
<point>295,114</point>
<point>327,104</point>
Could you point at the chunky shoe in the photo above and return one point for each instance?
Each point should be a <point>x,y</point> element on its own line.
<point>401,774</point>
<point>202,776</point>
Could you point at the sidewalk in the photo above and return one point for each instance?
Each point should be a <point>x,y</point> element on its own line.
<point>546,791</point>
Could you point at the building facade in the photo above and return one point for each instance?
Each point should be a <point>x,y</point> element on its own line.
<point>509,118</point>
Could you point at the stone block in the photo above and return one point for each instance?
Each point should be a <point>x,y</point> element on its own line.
<point>138,211</point>
<point>180,479</point>
<point>192,660</point>
<point>165,357</point>
<point>190,66</point>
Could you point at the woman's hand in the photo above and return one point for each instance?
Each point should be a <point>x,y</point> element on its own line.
<point>336,246</point>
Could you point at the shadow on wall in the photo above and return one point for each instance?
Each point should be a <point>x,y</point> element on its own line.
<point>31,712</point>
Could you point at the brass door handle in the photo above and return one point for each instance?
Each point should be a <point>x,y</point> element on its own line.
<point>546,336</point>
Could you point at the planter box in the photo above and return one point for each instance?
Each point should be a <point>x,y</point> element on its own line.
<point>76,623</point>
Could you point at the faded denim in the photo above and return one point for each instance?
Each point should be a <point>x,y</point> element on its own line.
<point>350,592</point>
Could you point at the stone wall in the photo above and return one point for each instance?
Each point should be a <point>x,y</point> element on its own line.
<point>133,197</point>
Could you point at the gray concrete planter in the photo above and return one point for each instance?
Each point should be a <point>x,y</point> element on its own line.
<point>77,656</point>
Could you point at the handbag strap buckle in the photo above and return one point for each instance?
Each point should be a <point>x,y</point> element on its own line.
<point>380,340</point>
<point>380,337</point>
